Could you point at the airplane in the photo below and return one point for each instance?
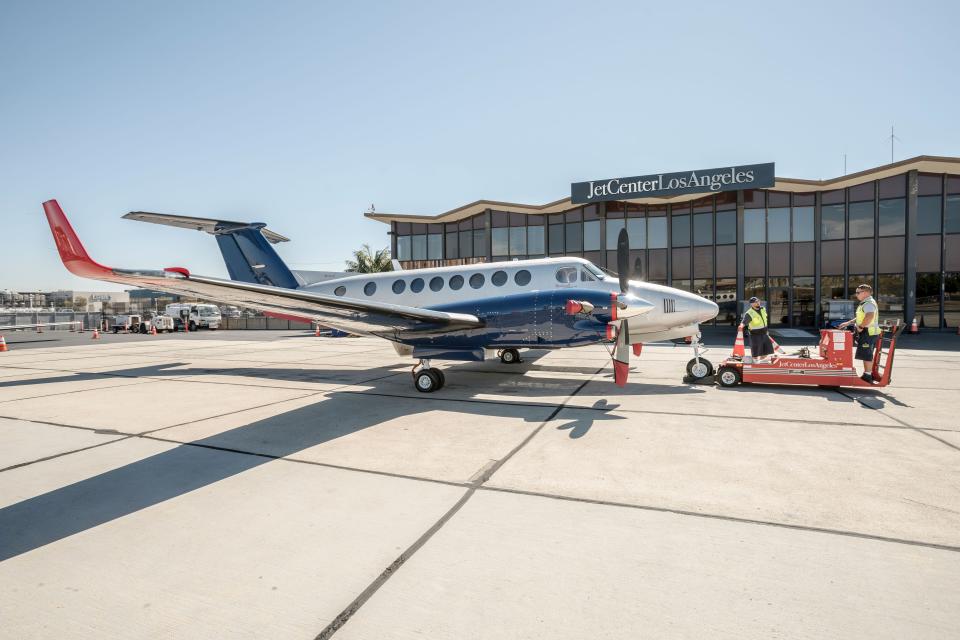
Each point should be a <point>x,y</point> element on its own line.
<point>456,313</point>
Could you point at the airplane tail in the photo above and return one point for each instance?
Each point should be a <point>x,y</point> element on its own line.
<point>245,246</point>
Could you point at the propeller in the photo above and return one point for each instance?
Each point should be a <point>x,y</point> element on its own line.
<point>621,350</point>
<point>623,260</point>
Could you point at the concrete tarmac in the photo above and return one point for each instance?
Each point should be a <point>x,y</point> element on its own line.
<point>277,485</point>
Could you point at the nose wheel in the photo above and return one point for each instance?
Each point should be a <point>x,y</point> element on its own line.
<point>699,367</point>
<point>427,379</point>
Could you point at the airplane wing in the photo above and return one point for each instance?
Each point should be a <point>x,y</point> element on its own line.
<point>348,314</point>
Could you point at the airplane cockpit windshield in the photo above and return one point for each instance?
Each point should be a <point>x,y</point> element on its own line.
<point>594,269</point>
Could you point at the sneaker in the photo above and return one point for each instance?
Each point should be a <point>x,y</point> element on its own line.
<point>867,378</point>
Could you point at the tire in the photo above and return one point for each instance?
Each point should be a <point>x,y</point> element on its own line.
<point>115,330</point>
<point>193,326</point>
<point>700,370</point>
<point>441,377</point>
<point>426,381</point>
<point>728,376</point>
<point>143,328</point>
<point>509,356</point>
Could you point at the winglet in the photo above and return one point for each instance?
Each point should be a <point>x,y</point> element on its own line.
<point>74,256</point>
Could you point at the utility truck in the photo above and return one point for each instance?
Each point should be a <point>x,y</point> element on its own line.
<point>194,316</point>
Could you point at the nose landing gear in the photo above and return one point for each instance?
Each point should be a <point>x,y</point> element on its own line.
<point>698,368</point>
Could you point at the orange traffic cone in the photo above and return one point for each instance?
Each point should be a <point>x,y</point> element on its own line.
<point>153,330</point>
<point>96,334</point>
<point>317,332</point>
<point>776,348</point>
<point>3,344</point>
<point>738,346</point>
<point>913,327</point>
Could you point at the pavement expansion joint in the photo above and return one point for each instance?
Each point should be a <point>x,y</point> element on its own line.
<point>485,473</point>
<point>718,516</point>
<point>907,425</point>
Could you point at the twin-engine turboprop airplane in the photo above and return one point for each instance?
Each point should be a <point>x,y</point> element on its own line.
<point>446,313</point>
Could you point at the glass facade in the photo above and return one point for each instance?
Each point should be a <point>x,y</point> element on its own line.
<point>804,252</point>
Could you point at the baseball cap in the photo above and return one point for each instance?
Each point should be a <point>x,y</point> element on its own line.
<point>753,299</point>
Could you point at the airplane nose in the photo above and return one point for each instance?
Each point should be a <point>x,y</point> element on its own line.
<point>707,310</point>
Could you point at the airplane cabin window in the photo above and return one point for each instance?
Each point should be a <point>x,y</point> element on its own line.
<point>416,285</point>
<point>370,288</point>
<point>456,282</point>
<point>522,277</point>
<point>339,291</point>
<point>567,275</point>
<point>476,280</point>
<point>436,283</point>
<point>399,286</point>
<point>499,278</point>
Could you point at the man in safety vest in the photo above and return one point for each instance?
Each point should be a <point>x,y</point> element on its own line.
<point>755,319</point>
<point>867,323</point>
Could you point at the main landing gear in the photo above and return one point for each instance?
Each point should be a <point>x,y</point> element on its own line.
<point>698,368</point>
<point>427,379</point>
<point>509,356</point>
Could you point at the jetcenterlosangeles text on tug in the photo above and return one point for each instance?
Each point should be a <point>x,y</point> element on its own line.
<point>454,313</point>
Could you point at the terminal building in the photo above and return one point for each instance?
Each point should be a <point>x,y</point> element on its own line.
<point>801,245</point>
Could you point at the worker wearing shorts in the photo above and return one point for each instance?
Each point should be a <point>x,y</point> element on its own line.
<point>755,319</point>
<point>867,323</point>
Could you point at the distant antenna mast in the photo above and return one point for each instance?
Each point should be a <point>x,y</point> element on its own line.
<point>892,138</point>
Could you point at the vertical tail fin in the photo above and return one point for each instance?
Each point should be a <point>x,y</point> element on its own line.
<point>245,247</point>
<point>250,258</point>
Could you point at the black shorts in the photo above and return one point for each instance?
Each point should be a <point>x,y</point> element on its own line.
<point>760,344</point>
<point>865,345</point>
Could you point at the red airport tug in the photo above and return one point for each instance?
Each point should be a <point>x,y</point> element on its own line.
<point>833,367</point>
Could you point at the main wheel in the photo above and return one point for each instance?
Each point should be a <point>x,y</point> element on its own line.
<point>426,381</point>
<point>728,376</point>
<point>700,369</point>
<point>441,377</point>
<point>509,356</point>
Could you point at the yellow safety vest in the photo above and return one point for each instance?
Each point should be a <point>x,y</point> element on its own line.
<point>874,327</point>
<point>758,319</point>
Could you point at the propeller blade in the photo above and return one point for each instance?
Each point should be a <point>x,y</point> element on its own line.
<point>623,259</point>
<point>621,355</point>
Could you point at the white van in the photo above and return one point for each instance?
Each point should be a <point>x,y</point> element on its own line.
<point>195,316</point>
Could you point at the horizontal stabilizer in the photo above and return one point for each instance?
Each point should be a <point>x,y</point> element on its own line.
<point>210,225</point>
<point>245,246</point>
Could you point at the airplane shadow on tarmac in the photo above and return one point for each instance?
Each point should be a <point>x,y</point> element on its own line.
<point>120,492</point>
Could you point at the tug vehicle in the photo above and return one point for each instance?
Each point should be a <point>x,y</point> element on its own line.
<point>831,366</point>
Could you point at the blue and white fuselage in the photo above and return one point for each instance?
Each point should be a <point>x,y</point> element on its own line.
<point>523,303</point>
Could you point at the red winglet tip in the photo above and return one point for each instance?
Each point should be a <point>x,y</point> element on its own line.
<point>74,256</point>
<point>181,270</point>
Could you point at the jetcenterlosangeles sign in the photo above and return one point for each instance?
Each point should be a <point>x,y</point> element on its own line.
<point>750,176</point>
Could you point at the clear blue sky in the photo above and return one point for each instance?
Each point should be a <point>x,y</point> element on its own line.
<point>302,114</point>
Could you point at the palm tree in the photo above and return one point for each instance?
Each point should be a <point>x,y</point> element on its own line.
<point>367,261</point>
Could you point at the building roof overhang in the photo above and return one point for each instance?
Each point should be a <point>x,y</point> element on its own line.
<point>925,164</point>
